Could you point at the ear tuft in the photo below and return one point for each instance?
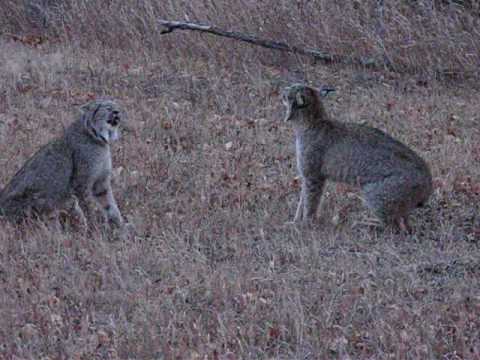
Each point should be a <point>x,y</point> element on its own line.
<point>325,90</point>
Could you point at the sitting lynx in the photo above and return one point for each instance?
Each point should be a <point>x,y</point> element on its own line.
<point>394,179</point>
<point>70,169</point>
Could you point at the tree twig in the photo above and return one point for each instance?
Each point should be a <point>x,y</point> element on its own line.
<point>170,26</point>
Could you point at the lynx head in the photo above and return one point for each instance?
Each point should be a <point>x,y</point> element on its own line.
<point>303,101</point>
<point>102,119</point>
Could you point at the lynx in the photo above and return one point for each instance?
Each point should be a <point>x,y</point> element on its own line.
<point>393,178</point>
<point>70,170</point>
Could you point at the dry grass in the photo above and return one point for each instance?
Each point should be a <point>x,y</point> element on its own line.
<point>208,179</point>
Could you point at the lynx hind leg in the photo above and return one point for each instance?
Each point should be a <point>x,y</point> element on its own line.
<point>403,225</point>
<point>392,199</point>
<point>102,191</point>
<point>310,197</point>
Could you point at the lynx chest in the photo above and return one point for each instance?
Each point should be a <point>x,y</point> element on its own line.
<point>94,164</point>
<point>309,156</point>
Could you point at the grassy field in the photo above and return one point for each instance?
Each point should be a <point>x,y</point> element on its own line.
<point>206,174</point>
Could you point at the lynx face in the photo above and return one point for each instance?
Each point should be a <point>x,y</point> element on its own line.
<point>103,119</point>
<point>296,98</point>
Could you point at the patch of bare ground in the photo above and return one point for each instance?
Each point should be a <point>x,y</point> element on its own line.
<point>206,173</point>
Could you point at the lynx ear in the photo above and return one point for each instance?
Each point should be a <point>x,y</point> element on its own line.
<point>299,99</point>
<point>87,107</point>
<point>324,91</point>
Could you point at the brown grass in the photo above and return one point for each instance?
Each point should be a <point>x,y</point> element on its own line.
<point>207,176</point>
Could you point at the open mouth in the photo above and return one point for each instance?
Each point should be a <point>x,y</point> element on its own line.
<point>114,120</point>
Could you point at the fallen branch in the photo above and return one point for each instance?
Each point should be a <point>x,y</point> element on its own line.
<point>170,26</point>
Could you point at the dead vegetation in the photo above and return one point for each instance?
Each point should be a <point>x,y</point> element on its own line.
<point>206,172</point>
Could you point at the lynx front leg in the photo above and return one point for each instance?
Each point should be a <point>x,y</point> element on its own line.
<point>299,212</point>
<point>311,195</point>
<point>102,191</point>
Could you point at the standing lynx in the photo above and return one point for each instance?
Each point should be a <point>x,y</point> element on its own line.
<point>393,178</point>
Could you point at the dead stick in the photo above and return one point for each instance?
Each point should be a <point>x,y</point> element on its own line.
<point>170,26</point>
